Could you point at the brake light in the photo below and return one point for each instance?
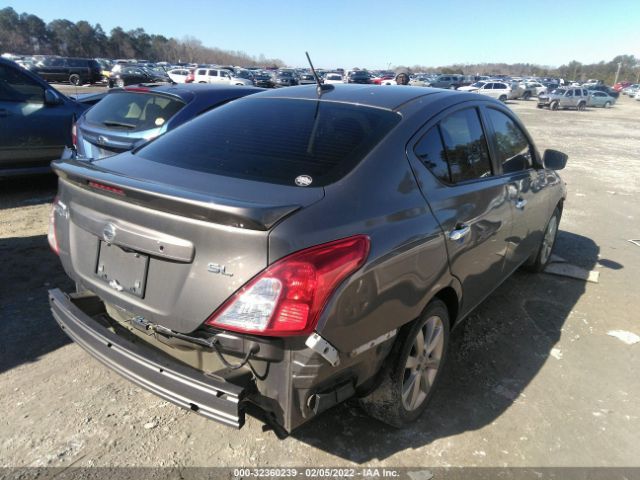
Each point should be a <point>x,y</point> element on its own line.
<point>106,188</point>
<point>74,135</point>
<point>137,89</point>
<point>288,297</point>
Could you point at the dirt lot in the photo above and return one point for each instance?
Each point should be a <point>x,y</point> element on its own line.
<point>534,378</point>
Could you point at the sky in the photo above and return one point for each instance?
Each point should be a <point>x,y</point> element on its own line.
<point>377,34</point>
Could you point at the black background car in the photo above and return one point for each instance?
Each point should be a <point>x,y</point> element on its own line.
<point>76,71</point>
<point>285,79</point>
<point>133,75</point>
<point>35,121</point>
<point>359,76</point>
<point>263,80</point>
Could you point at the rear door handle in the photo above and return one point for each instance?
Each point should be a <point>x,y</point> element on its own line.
<point>520,203</point>
<point>460,232</point>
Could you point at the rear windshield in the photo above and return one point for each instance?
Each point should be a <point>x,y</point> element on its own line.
<point>275,140</point>
<point>133,111</point>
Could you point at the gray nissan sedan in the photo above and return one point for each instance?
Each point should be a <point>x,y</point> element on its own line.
<point>302,246</point>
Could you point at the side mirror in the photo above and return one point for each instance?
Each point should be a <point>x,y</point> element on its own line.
<point>554,159</point>
<point>51,98</point>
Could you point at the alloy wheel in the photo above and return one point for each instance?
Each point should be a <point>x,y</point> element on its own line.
<point>548,240</point>
<point>423,363</point>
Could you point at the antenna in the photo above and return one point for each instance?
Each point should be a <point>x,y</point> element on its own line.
<point>321,87</point>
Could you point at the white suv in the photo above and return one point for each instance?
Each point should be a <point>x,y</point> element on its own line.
<point>499,90</point>
<point>221,76</point>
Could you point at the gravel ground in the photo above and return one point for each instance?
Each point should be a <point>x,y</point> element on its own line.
<point>534,379</point>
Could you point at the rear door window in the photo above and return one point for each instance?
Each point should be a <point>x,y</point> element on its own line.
<point>133,111</point>
<point>430,152</point>
<point>511,145</point>
<point>275,140</point>
<point>466,146</point>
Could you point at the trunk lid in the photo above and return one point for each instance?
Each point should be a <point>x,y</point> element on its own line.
<point>166,243</point>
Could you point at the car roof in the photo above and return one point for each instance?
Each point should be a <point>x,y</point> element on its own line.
<point>390,98</point>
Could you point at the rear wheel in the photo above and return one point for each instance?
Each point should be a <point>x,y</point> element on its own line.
<point>554,106</point>
<point>503,98</point>
<point>74,79</point>
<point>526,96</point>
<point>607,104</point>
<point>540,259</point>
<point>412,370</point>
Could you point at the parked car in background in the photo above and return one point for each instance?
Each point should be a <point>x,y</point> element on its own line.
<point>603,88</point>
<point>76,71</point>
<point>630,89</point>
<point>600,99</point>
<point>523,90</point>
<point>621,85</point>
<point>285,78</point>
<point>565,97</point>
<point>307,79</point>
<point>498,90</point>
<point>242,77</point>
<point>35,121</point>
<point>126,117</point>
<point>333,78</point>
<point>220,76</point>
<point>359,76</point>
<point>178,75</point>
<point>232,262</point>
<point>264,80</point>
<point>105,65</point>
<point>134,75</point>
<point>378,80</point>
<point>451,82</point>
<point>420,81</point>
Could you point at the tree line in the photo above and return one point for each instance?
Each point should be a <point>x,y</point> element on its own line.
<point>574,70</point>
<point>27,34</point>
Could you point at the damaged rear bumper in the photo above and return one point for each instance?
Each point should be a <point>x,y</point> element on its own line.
<point>214,398</point>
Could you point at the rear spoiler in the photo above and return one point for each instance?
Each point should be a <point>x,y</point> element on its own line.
<point>167,198</point>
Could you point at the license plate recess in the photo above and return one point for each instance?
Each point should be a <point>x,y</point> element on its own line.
<point>123,270</point>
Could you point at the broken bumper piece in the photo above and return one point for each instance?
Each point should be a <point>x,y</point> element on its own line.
<point>148,368</point>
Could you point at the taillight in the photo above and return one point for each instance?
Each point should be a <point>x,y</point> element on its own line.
<point>74,135</point>
<point>288,297</point>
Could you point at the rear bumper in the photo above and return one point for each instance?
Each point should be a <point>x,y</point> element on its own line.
<point>148,368</point>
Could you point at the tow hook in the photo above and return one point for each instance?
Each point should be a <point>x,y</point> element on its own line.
<point>318,344</point>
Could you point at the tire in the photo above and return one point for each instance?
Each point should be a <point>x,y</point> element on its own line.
<point>526,96</point>
<point>554,106</point>
<point>503,98</point>
<point>398,400</point>
<point>202,82</point>
<point>452,87</point>
<point>607,104</point>
<point>539,260</point>
<point>582,106</point>
<point>74,79</point>
<point>539,105</point>
<point>120,83</point>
